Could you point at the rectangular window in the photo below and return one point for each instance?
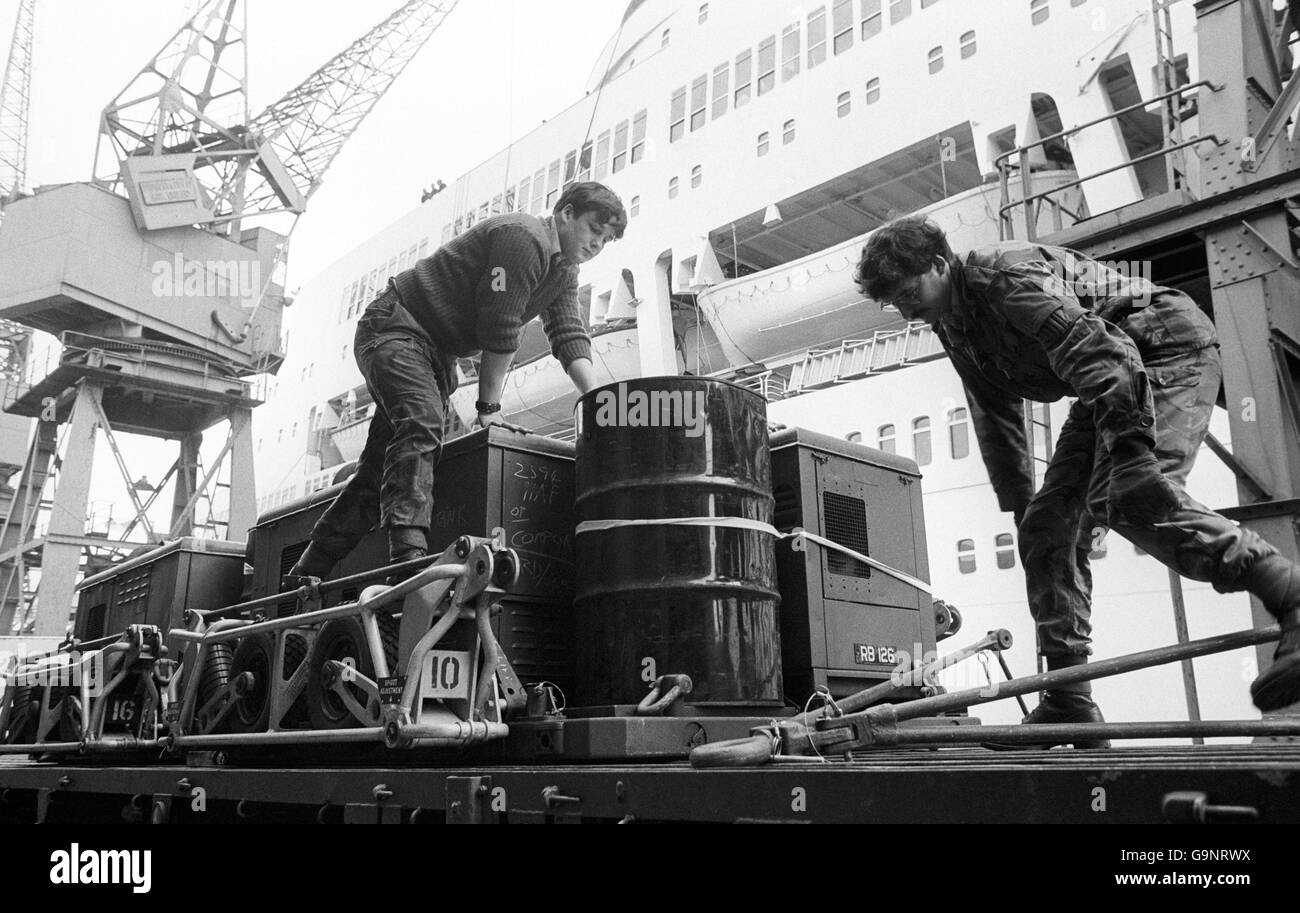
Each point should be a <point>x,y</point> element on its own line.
<point>958,434</point>
<point>424,247</point>
<point>638,136</point>
<point>873,20</point>
<point>602,156</point>
<point>842,25</point>
<point>791,48</point>
<point>966,556</point>
<point>885,438</point>
<point>767,65</point>
<point>1006,551</point>
<point>539,191</point>
<point>584,162</point>
<point>570,167</point>
<point>921,442</point>
<point>699,102</point>
<point>620,147</point>
<point>552,184</point>
<point>677,116</point>
<point>721,89</point>
<point>497,202</point>
<point>899,10</point>
<point>744,71</point>
<point>817,37</point>
<point>525,186</point>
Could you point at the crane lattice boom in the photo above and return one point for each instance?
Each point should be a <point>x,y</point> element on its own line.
<point>15,102</point>
<point>310,124</point>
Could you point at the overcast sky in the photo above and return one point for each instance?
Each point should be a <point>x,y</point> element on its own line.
<point>495,69</point>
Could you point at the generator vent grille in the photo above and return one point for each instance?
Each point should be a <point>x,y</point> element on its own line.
<point>846,523</point>
<point>787,506</point>
<point>133,590</point>
<point>290,555</point>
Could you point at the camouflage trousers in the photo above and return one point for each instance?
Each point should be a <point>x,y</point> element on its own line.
<point>1069,515</point>
<point>393,483</point>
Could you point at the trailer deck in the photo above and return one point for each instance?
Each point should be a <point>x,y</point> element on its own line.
<point>1259,781</point>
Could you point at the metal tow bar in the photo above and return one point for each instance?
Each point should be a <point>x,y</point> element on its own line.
<point>766,742</point>
<point>878,725</point>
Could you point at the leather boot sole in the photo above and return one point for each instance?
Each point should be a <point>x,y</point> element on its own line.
<point>1279,685</point>
<point>1049,714</point>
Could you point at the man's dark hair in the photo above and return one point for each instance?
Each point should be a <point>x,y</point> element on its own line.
<point>588,196</point>
<point>899,251</point>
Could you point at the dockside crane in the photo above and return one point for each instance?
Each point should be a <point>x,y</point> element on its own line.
<point>144,272</point>
<point>15,103</point>
<point>15,339</point>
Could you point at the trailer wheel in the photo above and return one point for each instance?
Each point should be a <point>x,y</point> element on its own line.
<point>24,717</point>
<point>255,654</point>
<point>216,671</point>
<point>343,640</point>
<point>71,718</point>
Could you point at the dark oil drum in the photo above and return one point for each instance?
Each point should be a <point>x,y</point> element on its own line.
<point>654,599</point>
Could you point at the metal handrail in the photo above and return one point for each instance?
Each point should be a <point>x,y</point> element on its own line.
<point>1006,224</point>
<point>1163,151</point>
<point>1206,84</point>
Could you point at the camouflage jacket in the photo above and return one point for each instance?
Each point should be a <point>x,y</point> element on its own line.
<point>1033,322</point>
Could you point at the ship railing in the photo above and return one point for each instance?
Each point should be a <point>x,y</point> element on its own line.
<point>771,385</point>
<point>1031,203</point>
<point>857,358</point>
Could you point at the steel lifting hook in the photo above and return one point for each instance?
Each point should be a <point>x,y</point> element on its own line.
<point>666,690</point>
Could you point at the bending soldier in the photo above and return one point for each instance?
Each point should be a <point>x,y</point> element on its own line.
<point>473,294</point>
<point>1031,322</point>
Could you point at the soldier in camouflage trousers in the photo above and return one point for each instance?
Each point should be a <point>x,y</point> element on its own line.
<point>1022,321</point>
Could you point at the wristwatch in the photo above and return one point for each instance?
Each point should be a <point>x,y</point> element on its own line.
<point>487,408</point>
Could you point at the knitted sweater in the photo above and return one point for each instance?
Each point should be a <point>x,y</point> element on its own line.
<point>478,290</point>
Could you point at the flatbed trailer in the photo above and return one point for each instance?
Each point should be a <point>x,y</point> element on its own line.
<point>1188,784</point>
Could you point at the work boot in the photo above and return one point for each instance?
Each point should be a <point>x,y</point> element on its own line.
<point>405,543</point>
<point>1057,707</point>
<point>1278,686</point>
<point>1276,581</point>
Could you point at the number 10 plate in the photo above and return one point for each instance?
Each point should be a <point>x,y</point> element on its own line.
<point>445,675</point>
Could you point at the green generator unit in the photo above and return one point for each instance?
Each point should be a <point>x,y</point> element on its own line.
<point>845,624</point>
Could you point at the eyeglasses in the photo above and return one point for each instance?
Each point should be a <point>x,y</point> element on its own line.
<point>908,296</point>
